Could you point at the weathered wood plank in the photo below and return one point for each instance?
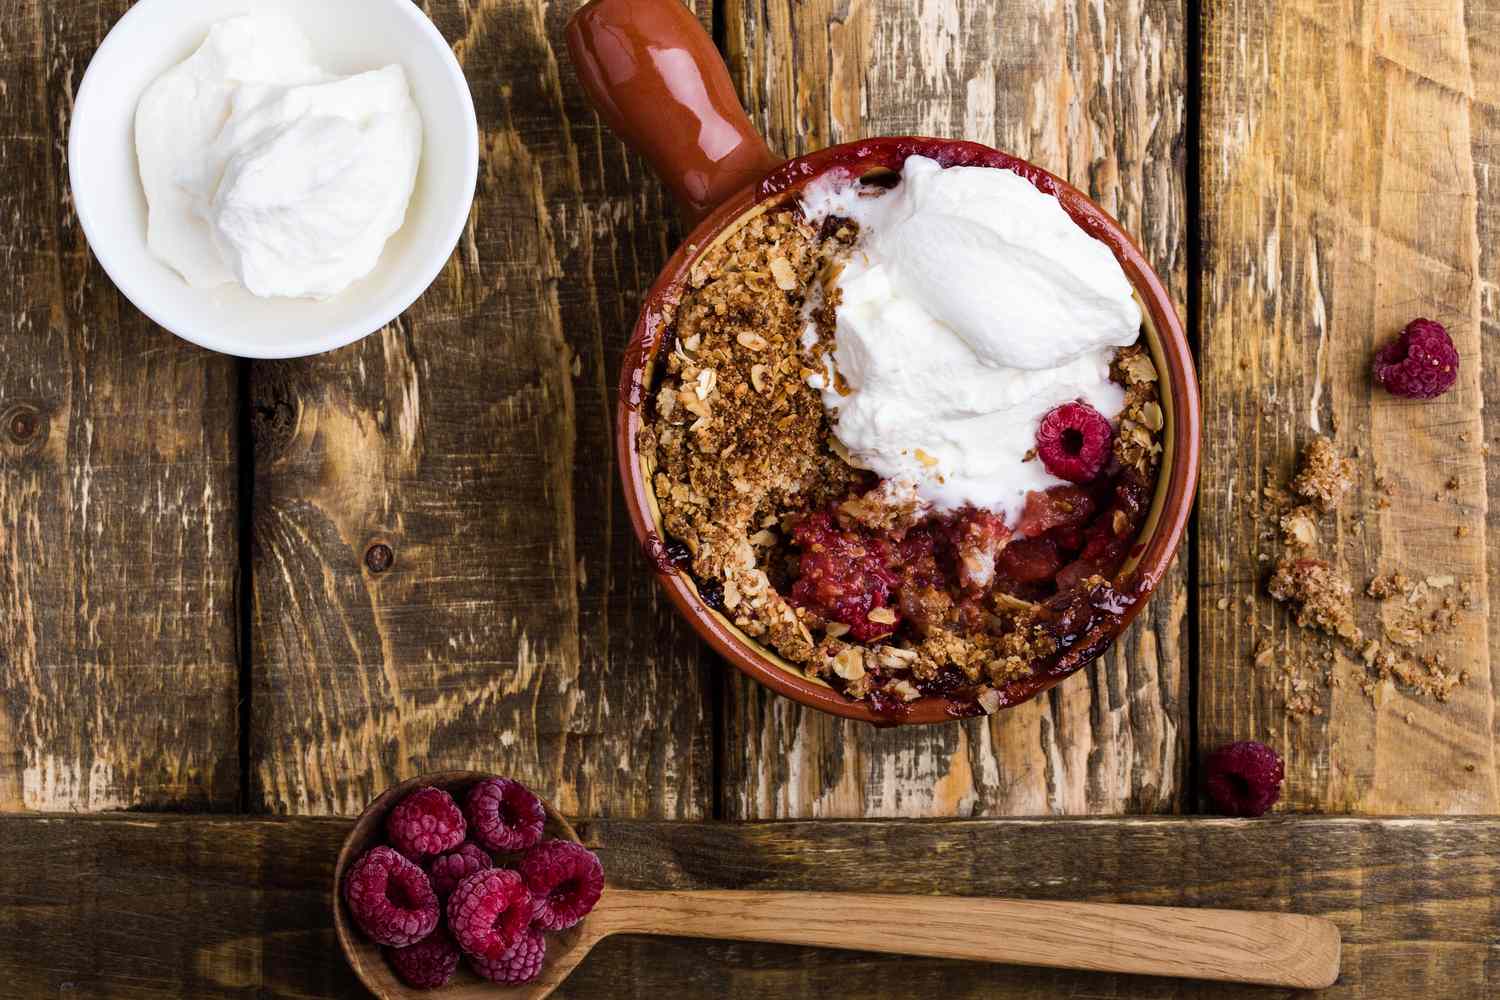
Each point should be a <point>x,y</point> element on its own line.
<point>1347,188</point>
<point>221,908</point>
<point>1093,92</point>
<point>118,555</point>
<point>516,627</point>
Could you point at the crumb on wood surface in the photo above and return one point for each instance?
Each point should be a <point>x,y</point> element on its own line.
<point>1323,599</point>
<point>1325,477</point>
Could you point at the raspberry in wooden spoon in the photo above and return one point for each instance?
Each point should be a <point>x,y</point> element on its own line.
<point>521,963</point>
<point>565,879</point>
<point>427,821</point>
<point>489,912</point>
<point>504,815</point>
<point>390,898</point>
<point>427,964</point>
<point>447,870</point>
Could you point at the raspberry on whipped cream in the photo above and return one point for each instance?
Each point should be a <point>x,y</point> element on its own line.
<point>971,306</point>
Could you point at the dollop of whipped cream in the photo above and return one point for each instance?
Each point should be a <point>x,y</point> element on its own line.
<point>262,168</point>
<point>970,307</point>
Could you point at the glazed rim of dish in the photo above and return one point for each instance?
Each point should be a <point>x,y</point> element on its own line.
<point>1147,560</point>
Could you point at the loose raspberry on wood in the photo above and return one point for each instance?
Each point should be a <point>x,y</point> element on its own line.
<point>1422,363</point>
<point>1244,779</point>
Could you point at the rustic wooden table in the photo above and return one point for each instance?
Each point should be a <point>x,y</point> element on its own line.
<point>251,596</point>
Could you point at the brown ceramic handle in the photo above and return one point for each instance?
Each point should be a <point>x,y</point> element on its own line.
<point>660,85</point>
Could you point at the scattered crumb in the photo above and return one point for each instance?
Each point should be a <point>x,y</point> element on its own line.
<point>1322,598</point>
<point>1387,585</point>
<point>1325,477</point>
<point>1299,528</point>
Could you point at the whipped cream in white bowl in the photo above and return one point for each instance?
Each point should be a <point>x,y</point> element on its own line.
<point>304,313</point>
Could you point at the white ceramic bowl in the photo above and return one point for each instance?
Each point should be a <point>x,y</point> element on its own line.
<point>350,36</point>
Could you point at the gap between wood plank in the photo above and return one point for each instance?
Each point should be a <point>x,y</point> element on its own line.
<point>717,682</point>
<point>245,590</point>
<point>1193,192</point>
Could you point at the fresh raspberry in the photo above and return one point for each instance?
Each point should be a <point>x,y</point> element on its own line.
<point>427,964</point>
<point>447,870</point>
<point>390,898</point>
<point>1244,779</point>
<point>520,964</point>
<point>1422,363</point>
<point>488,912</point>
<point>504,815</point>
<point>1074,442</point>
<point>427,821</point>
<point>565,879</point>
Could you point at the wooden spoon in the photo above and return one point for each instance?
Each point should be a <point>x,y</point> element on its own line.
<point>1274,949</point>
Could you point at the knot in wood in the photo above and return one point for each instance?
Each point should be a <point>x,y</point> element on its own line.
<point>274,415</point>
<point>23,425</point>
<point>379,558</point>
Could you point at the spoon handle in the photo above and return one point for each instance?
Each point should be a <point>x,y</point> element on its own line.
<point>1276,949</point>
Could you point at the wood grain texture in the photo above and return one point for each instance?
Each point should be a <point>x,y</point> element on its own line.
<point>1347,165</point>
<point>220,907</point>
<point>518,629</point>
<point>1094,92</point>
<point>1238,946</point>
<point>118,561</point>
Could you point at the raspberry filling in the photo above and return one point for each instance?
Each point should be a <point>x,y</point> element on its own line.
<point>845,576</point>
<point>942,570</point>
<point>875,582</point>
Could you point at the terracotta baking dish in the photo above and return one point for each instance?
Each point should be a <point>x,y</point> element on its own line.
<point>660,84</point>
